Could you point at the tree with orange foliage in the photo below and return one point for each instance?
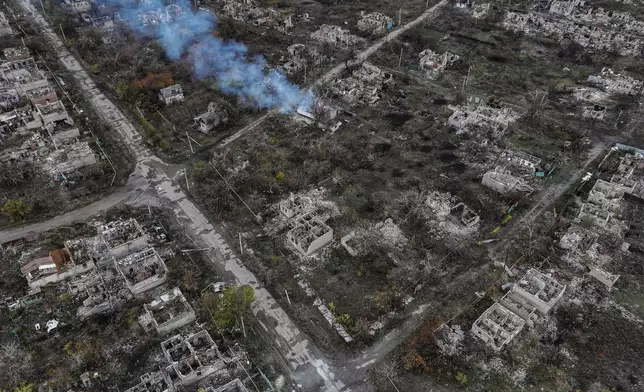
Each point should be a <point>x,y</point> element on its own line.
<point>154,81</point>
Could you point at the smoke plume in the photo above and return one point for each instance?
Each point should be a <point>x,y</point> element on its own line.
<point>180,31</point>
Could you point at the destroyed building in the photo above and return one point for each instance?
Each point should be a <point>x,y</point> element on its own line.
<point>589,36</point>
<point>534,291</point>
<point>375,22</point>
<point>502,181</point>
<point>92,291</point>
<point>78,6</point>
<point>433,64</point>
<point>607,196</point>
<point>56,267</point>
<point>42,96</point>
<point>5,29</point>
<point>167,312</point>
<point>596,112</point>
<point>482,118</point>
<point>142,270</point>
<point>192,358</point>
<point>212,118</point>
<point>522,160</point>
<point>234,386</point>
<point>363,86</point>
<point>615,83</point>
<point>123,236</point>
<point>309,235</point>
<point>337,36</point>
<point>153,382</point>
<point>606,278</point>
<point>171,94</point>
<point>497,326</point>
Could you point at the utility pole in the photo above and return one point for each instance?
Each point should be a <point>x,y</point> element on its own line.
<point>399,15</point>
<point>400,58</point>
<point>43,8</point>
<point>287,297</point>
<point>185,173</point>
<point>62,32</point>
<point>618,117</point>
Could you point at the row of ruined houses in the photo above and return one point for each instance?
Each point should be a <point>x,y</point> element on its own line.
<point>32,111</point>
<point>94,269</point>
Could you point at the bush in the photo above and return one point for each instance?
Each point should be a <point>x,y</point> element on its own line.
<point>16,209</point>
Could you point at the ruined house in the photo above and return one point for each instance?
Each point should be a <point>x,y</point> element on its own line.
<point>337,36</point>
<point>56,267</point>
<point>364,85</point>
<point>123,236</point>
<point>465,215</point>
<point>167,312</point>
<point>497,326</point>
<point>5,29</point>
<point>535,291</point>
<point>153,382</point>
<point>607,196</point>
<point>522,160</point>
<point>52,113</point>
<point>375,22</point>
<point>502,181</point>
<point>480,10</point>
<point>92,291</point>
<point>212,118</point>
<point>615,83</point>
<point>433,64</point>
<point>294,205</point>
<point>587,35</point>
<point>42,95</point>
<point>606,278</point>
<point>142,270</point>
<point>66,159</point>
<point>171,94</point>
<point>9,98</point>
<point>309,235</point>
<point>78,6</point>
<point>234,386</point>
<point>596,112</point>
<point>192,358</point>
<point>482,119</point>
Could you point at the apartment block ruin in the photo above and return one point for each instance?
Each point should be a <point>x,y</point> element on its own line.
<point>309,235</point>
<point>615,83</point>
<point>192,358</point>
<point>433,64</point>
<point>375,22</point>
<point>171,94</point>
<point>502,181</point>
<point>167,312</point>
<point>214,116</point>
<point>336,36</point>
<point>363,86</point>
<point>497,326</point>
<point>153,382</point>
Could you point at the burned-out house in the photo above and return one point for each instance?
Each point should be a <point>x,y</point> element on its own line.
<point>497,326</point>
<point>171,94</point>
<point>309,235</point>
<point>337,36</point>
<point>364,85</point>
<point>375,22</point>
<point>502,181</point>
<point>192,358</point>
<point>433,64</point>
<point>66,159</point>
<point>212,118</point>
<point>167,312</point>
<point>123,236</point>
<point>142,270</point>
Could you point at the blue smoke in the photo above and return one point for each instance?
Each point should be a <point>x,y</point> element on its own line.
<point>180,30</point>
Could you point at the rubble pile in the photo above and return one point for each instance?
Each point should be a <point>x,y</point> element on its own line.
<point>363,86</point>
